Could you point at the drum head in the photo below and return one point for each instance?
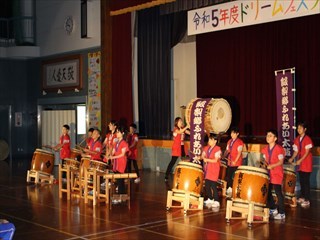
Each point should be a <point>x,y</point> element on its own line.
<point>4,150</point>
<point>44,151</point>
<point>221,115</point>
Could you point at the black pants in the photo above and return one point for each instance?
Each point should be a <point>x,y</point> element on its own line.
<point>305,185</point>
<point>171,164</point>
<point>230,174</point>
<point>211,189</point>
<point>271,203</point>
<point>121,186</point>
<point>135,165</point>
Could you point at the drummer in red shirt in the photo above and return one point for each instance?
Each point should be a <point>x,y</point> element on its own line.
<point>234,156</point>
<point>302,148</point>
<point>119,157</point>
<point>110,139</point>
<point>211,156</point>
<point>64,143</point>
<point>273,156</point>
<point>95,146</point>
<point>178,144</point>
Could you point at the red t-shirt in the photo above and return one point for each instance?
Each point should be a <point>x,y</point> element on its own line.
<point>133,152</point>
<point>95,146</point>
<point>65,150</point>
<point>234,148</point>
<point>120,164</point>
<point>272,156</point>
<point>211,170</point>
<point>301,146</point>
<point>177,142</point>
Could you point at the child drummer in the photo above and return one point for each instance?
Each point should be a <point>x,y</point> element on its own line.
<point>273,155</point>
<point>211,156</point>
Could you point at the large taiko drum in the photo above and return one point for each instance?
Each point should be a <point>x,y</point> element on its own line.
<point>75,154</point>
<point>250,185</point>
<point>289,184</point>
<point>218,115</point>
<point>188,177</point>
<point>42,161</point>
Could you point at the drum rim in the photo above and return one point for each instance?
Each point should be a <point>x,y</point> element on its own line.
<point>189,163</point>
<point>257,169</point>
<point>44,151</point>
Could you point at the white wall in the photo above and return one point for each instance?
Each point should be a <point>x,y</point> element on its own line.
<point>51,35</point>
<point>184,75</point>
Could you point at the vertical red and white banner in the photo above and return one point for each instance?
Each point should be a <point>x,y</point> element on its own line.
<point>286,111</point>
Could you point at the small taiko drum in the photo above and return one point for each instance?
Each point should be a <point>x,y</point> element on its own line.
<point>289,184</point>
<point>75,154</point>
<point>250,185</point>
<point>74,164</point>
<point>42,161</point>
<point>217,117</point>
<point>188,177</point>
<point>98,165</point>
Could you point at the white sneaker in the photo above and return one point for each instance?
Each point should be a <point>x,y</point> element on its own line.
<point>215,204</point>
<point>116,201</point>
<point>137,180</point>
<point>305,204</point>
<point>300,200</point>
<point>208,202</point>
<point>273,212</point>
<point>280,216</point>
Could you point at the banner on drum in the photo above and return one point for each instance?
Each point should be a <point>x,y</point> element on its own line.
<point>286,110</point>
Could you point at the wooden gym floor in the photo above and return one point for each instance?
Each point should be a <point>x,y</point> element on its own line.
<point>38,213</point>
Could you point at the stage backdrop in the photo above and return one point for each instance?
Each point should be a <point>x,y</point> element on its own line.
<point>240,63</point>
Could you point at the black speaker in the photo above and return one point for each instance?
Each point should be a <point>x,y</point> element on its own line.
<point>84,19</point>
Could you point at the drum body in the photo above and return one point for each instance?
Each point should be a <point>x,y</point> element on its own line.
<point>75,154</point>
<point>288,186</point>
<point>74,164</point>
<point>289,183</point>
<point>250,185</point>
<point>98,165</point>
<point>42,161</point>
<point>218,115</point>
<point>223,170</point>
<point>188,177</point>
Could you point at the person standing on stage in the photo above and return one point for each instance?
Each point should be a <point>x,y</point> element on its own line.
<point>110,139</point>
<point>233,154</point>
<point>64,144</point>
<point>211,156</point>
<point>178,144</point>
<point>302,148</point>
<point>95,147</point>
<point>119,157</point>
<point>273,156</point>
<point>132,140</point>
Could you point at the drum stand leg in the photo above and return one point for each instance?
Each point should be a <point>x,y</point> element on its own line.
<point>248,213</point>
<point>39,177</point>
<point>185,201</point>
